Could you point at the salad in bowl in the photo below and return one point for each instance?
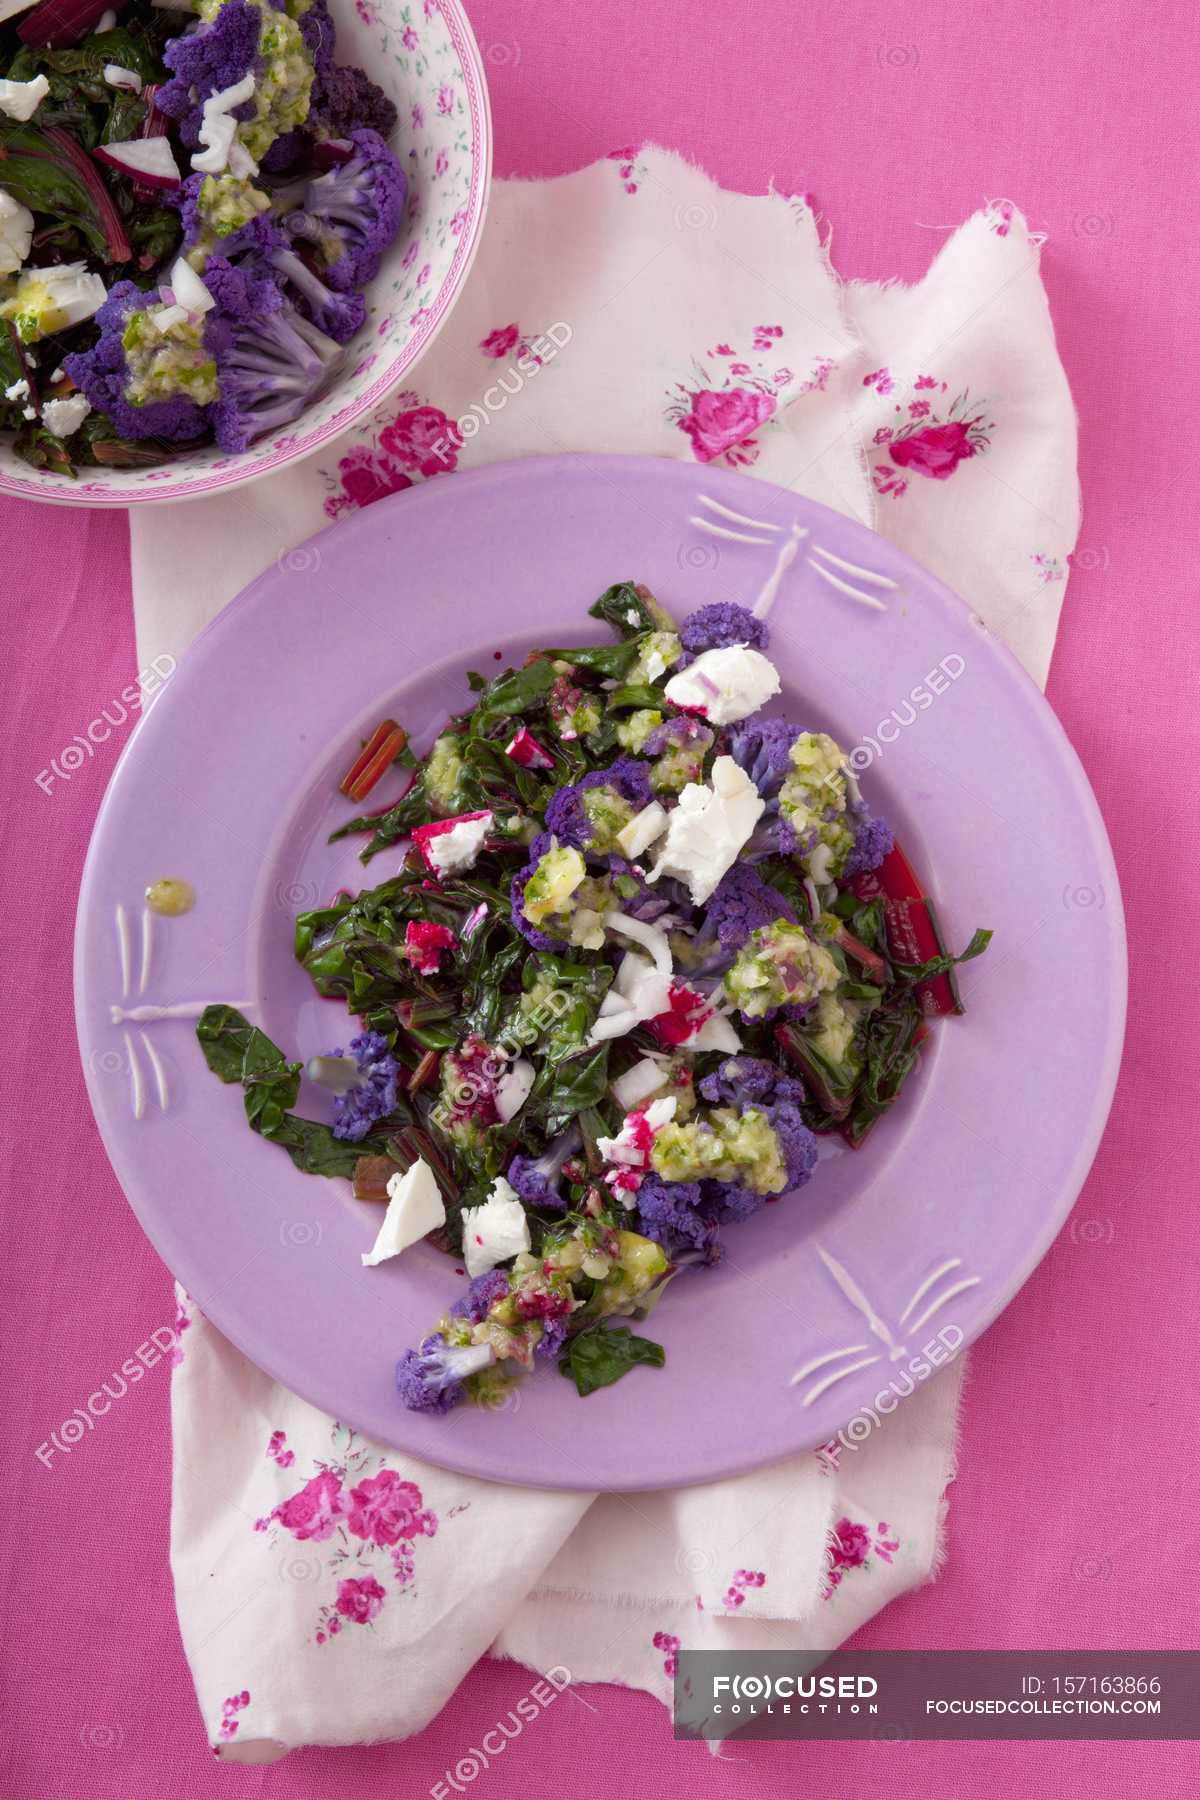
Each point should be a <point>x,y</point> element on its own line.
<point>211,217</point>
<point>640,944</point>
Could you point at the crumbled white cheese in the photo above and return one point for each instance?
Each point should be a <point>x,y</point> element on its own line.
<point>629,1148</point>
<point>18,391</point>
<point>62,417</point>
<point>165,318</point>
<point>452,851</point>
<point>494,1231</point>
<point>29,412</point>
<point>218,129</point>
<point>708,828</point>
<point>725,685</point>
<point>640,992</point>
<point>512,1089</point>
<point>188,289</point>
<point>716,1033</point>
<point>118,76</point>
<point>21,99</point>
<point>642,830</point>
<point>637,1084</point>
<point>415,1208</point>
<point>16,233</point>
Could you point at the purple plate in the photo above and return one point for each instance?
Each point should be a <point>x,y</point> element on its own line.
<point>845,1293</point>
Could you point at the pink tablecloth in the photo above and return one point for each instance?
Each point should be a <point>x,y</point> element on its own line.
<point>1071,1517</point>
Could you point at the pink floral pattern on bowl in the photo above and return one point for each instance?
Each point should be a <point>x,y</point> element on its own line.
<point>424,54</point>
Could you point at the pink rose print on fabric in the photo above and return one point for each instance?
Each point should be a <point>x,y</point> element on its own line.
<point>409,38</point>
<point>937,450</point>
<point>502,341</point>
<point>717,422</point>
<point>420,441</point>
<point>445,100</point>
<point>1049,568</point>
<point>629,166</point>
<point>735,1594</point>
<point>385,1509</point>
<point>276,1451</point>
<point>720,414</point>
<point>880,380</point>
<point>852,1548</point>
<point>182,1324</point>
<point>370,1518</point>
<point>313,1513</point>
<point>230,1708</point>
<point>360,1601</point>
<point>422,438</point>
<point>666,1640</point>
<point>925,441</point>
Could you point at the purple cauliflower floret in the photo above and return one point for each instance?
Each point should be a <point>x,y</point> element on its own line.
<point>102,374</point>
<point>566,817</point>
<point>286,153</point>
<point>351,214</point>
<point>540,940</point>
<point>679,733</point>
<point>752,1083</point>
<point>630,777</point>
<point>256,253</point>
<point>721,625</point>
<point>676,1215</point>
<point>319,36</point>
<point>431,1379</point>
<point>536,1178</point>
<point>554,1336</point>
<point>373,1096</point>
<point>775,836</point>
<point>269,369</point>
<point>740,903</point>
<point>744,1081</point>
<point>346,99</point>
<point>566,820</point>
<point>733,1204</point>
<point>762,747</point>
<point>873,840</point>
<point>204,62</point>
<point>796,1141</point>
<point>481,1296</point>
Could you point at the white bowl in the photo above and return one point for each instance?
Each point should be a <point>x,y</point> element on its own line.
<point>424,55</point>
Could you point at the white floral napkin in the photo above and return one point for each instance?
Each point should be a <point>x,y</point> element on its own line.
<point>331,1591</point>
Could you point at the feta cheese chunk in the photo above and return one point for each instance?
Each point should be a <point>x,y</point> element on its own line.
<point>632,1145</point>
<point>21,99</point>
<point>495,1231</point>
<point>118,76</point>
<point>62,417</point>
<point>451,845</point>
<point>716,1033</point>
<point>641,991</point>
<point>725,685</point>
<point>218,128</point>
<point>642,830</point>
<point>637,1084</point>
<point>18,391</point>
<point>706,831</point>
<point>512,1089</point>
<point>415,1208</point>
<point>16,233</point>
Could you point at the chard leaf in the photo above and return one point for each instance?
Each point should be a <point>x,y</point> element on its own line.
<point>601,1355</point>
<point>236,1050</point>
<point>941,965</point>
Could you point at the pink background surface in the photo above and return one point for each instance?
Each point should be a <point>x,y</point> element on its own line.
<point>1071,1518</point>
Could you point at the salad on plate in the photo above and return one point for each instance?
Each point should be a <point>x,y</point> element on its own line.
<point>193,197</point>
<point>640,944</point>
